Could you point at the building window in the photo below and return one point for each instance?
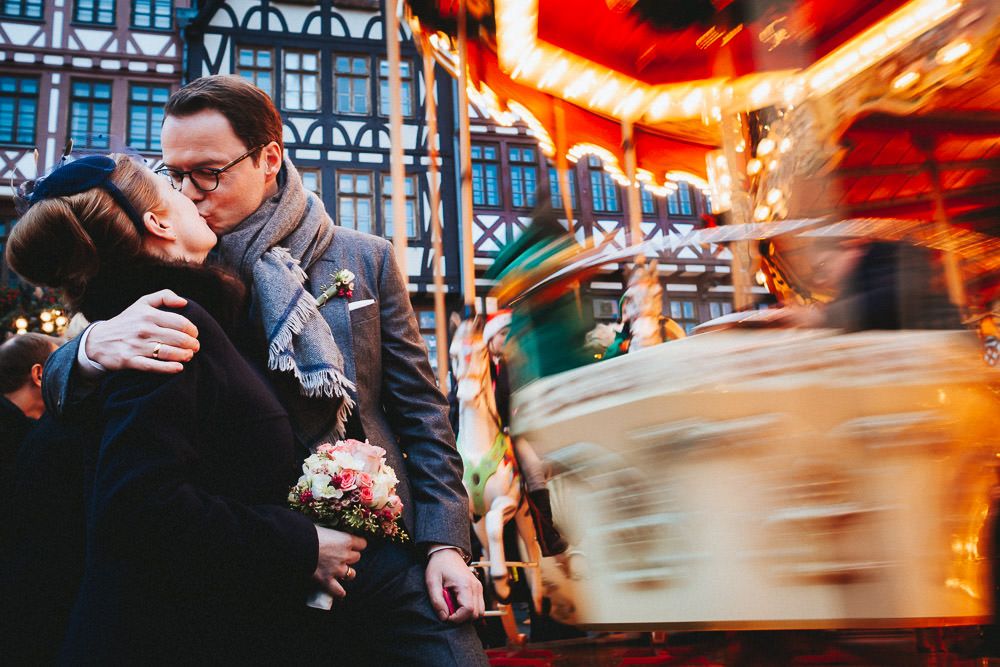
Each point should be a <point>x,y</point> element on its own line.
<point>352,84</point>
<point>99,12</point>
<point>426,319</point>
<point>485,175</point>
<point>90,114</point>
<point>683,312</point>
<point>312,181</point>
<point>411,206</point>
<point>708,203</point>
<point>523,175</point>
<point>603,189</point>
<point>406,88</point>
<point>556,188</point>
<point>719,308</point>
<point>301,91</point>
<point>18,109</point>
<point>153,14</point>
<point>354,200</point>
<point>145,116</point>
<point>679,201</point>
<point>21,9</point>
<point>256,66</point>
<point>647,201</point>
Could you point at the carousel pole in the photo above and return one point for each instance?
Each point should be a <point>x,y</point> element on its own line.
<point>434,181</point>
<point>942,223</point>
<point>399,235</point>
<point>465,160</point>
<point>634,210</point>
<point>562,165</point>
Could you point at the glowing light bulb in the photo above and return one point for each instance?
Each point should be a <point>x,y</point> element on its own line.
<point>905,80</point>
<point>61,321</point>
<point>45,316</point>
<point>48,327</point>
<point>774,196</point>
<point>952,52</point>
<point>766,146</point>
<point>761,213</point>
<point>785,145</point>
<point>754,166</point>
<point>21,323</point>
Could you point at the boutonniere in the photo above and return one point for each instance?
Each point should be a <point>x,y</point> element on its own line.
<point>342,286</point>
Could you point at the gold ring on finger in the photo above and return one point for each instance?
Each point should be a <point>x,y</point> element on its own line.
<point>156,350</point>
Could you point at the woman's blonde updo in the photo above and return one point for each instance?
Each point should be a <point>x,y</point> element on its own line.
<point>63,242</point>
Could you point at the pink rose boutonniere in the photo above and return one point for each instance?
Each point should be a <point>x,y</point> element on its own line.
<point>342,286</point>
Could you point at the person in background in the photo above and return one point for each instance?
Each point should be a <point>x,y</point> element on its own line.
<point>22,359</point>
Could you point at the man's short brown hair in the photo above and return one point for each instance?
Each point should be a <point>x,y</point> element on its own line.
<point>19,354</point>
<point>249,110</point>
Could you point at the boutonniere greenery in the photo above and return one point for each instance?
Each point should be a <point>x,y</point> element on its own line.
<point>342,286</point>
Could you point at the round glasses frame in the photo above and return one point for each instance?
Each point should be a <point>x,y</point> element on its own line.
<point>201,177</point>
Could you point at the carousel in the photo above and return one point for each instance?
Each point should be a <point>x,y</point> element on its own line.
<point>754,475</point>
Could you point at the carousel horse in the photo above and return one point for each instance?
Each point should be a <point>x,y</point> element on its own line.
<point>642,308</point>
<point>491,476</point>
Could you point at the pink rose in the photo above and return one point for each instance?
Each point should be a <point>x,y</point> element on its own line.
<point>367,495</point>
<point>365,480</point>
<point>348,480</point>
<point>325,448</point>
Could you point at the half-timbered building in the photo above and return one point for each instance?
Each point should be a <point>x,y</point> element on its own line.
<point>96,72</point>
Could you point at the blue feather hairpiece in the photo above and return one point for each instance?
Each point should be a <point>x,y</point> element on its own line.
<point>92,171</point>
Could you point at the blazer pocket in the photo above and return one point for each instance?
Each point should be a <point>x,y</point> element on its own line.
<point>364,314</point>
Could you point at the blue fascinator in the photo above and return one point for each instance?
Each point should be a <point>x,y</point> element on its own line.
<point>92,171</point>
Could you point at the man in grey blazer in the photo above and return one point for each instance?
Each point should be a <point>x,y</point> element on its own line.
<point>344,356</point>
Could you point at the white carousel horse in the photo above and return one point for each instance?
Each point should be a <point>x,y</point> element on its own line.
<point>491,476</point>
<point>643,308</point>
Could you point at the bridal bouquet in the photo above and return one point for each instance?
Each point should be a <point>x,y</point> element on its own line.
<point>348,486</point>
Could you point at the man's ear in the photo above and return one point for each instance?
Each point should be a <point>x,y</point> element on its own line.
<point>158,227</point>
<point>271,155</point>
<point>36,375</point>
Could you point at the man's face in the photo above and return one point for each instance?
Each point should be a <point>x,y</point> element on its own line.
<point>206,139</point>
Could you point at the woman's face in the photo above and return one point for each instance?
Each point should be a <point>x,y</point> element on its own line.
<point>194,239</point>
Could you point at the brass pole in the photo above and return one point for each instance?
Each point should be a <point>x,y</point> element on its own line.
<point>434,183</point>
<point>398,177</point>
<point>465,160</point>
<point>631,192</point>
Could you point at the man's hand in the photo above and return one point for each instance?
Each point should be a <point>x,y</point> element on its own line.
<point>337,552</point>
<point>447,570</point>
<point>129,339</point>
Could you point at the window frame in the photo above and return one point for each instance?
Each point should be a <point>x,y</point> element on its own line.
<point>596,168</point>
<point>23,6</point>
<point>152,27</point>
<point>676,202</point>
<point>365,80</point>
<point>353,195</point>
<point>646,196</point>
<point>319,179</point>
<point>153,121</point>
<point>386,211</point>
<point>18,96</point>
<point>516,170</point>
<point>91,100</point>
<point>256,69</point>
<point>687,322</point>
<point>95,13</point>
<point>302,73</point>
<point>479,164</point>
<point>556,194</point>
<point>408,86</point>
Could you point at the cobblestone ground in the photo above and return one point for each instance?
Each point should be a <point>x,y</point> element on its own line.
<point>958,647</point>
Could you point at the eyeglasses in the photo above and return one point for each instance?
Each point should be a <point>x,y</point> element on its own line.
<point>205,179</point>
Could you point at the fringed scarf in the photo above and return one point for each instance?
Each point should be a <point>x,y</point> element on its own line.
<point>271,250</point>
